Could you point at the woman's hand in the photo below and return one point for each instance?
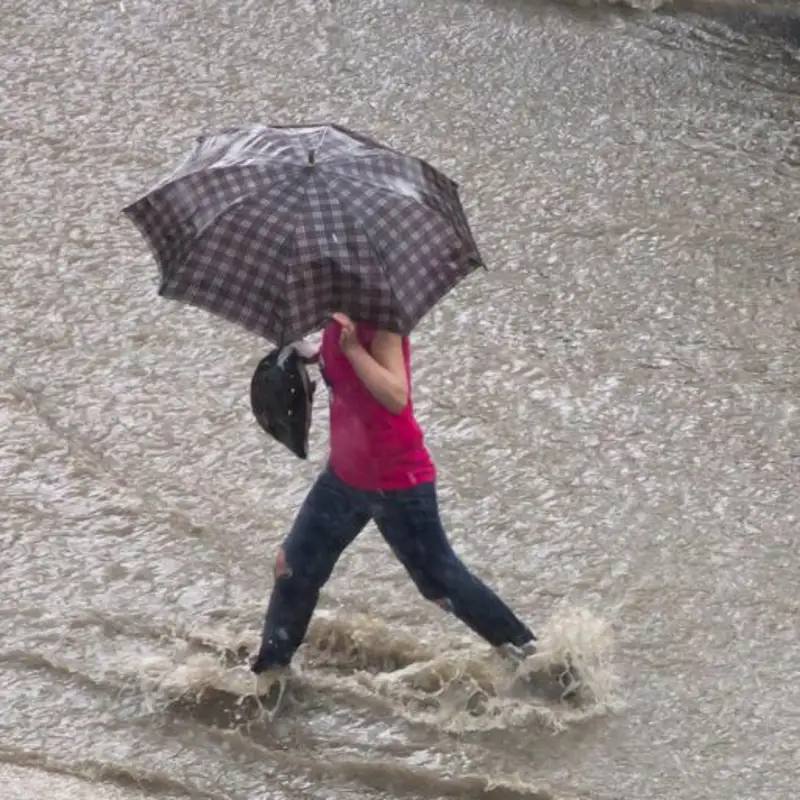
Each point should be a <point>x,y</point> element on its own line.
<point>381,368</point>
<point>348,338</point>
<point>308,352</point>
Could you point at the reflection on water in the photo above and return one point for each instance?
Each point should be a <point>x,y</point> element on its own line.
<point>613,407</point>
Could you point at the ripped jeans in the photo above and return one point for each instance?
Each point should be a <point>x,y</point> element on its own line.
<point>331,517</point>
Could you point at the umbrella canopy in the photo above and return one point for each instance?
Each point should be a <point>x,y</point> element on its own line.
<point>275,228</point>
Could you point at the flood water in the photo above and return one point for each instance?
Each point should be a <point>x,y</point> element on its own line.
<point>614,408</point>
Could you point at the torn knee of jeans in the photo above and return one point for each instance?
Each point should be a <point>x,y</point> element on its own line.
<point>445,603</point>
<point>282,569</point>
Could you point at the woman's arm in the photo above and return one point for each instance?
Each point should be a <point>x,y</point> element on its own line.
<point>382,371</point>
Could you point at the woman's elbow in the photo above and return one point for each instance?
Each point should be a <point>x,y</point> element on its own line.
<point>398,400</point>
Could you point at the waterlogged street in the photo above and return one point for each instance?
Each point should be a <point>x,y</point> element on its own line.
<point>614,408</point>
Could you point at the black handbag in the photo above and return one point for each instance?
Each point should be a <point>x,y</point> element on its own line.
<point>281,398</point>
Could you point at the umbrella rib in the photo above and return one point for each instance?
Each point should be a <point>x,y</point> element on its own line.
<point>362,180</point>
<point>291,227</point>
<point>380,257</point>
<point>217,217</point>
<point>257,161</point>
<point>182,174</point>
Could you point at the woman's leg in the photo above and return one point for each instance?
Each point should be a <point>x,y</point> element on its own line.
<point>409,521</point>
<point>330,518</point>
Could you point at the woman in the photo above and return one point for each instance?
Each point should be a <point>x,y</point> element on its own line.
<point>379,469</point>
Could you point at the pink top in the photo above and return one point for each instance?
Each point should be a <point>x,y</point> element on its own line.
<point>371,448</point>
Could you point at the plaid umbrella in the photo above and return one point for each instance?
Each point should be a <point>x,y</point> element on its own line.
<point>275,228</point>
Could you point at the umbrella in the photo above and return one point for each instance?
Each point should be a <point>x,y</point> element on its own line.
<point>281,396</point>
<point>276,227</point>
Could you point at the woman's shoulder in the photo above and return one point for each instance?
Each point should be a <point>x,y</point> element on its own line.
<point>365,331</point>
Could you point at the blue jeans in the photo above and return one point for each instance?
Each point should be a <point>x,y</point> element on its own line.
<point>331,517</point>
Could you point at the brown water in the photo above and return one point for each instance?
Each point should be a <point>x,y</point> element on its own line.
<point>614,407</point>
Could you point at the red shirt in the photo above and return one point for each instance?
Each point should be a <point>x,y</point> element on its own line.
<point>371,448</point>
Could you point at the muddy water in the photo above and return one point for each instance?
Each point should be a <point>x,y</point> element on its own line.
<point>614,407</point>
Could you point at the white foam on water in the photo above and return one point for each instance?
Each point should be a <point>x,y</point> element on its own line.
<point>360,659</point>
